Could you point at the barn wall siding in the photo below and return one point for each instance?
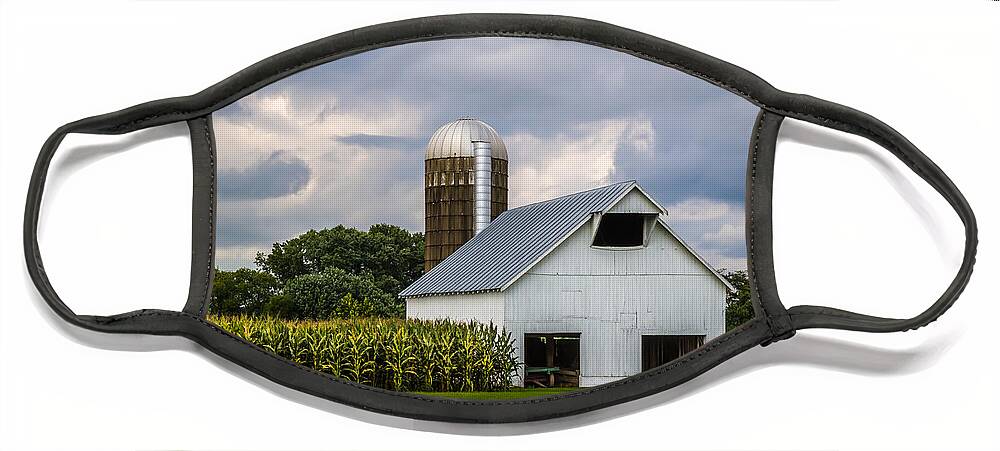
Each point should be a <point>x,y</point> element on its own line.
<point>635,202</point>
<point>612,298</point>
<point>481,307</point>
<point>662,255</point>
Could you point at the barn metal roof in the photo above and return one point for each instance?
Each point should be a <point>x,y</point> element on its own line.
<point>513,242</point>
<point>518,239</point>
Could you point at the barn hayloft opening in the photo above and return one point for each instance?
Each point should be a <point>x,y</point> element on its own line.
<point>662,349</point>
<point>552,360</point>
<point>621,230</point>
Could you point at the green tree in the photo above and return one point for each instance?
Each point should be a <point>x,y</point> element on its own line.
<point>739,309</point>
<point>391,255</point>
<point>335,293</point>
<point>280,306</point>
<point>243,291</point>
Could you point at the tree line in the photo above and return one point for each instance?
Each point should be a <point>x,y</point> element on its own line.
<point>339,272</point>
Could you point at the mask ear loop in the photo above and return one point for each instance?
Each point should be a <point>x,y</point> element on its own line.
<point>149,321</point>
<point>855,122</point>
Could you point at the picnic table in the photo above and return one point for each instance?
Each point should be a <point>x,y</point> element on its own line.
<point>549,371</point>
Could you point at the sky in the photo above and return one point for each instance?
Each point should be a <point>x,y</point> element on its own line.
<point>343,143</point>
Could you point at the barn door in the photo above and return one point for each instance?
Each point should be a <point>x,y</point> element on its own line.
<point>552,360</point>
<point>662,349</point>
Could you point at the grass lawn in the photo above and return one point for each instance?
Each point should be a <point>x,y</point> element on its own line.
<point>513,393</point>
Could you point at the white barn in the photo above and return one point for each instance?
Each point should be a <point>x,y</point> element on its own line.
<point>593,287</point>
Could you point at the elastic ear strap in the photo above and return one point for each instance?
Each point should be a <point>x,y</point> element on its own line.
<point>856,122</point>
<point>32,209</point>
<point>114,123</point>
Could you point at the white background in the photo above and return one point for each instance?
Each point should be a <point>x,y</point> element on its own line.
<point>853,229</point>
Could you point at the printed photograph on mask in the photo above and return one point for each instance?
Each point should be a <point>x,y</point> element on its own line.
<point>482,218</point>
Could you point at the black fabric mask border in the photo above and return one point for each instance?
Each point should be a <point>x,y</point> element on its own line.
<point>203,203</point>
<point>773,322</point>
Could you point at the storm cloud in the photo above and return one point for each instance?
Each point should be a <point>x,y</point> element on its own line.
<point>280,174</point>
<point>573,116</point>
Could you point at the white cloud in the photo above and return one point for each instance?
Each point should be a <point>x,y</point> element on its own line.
<point>698,209</point>
<point>725,234</point>
<point>547,167</point>
<point>308,125</point>
<point>347,182</point>
<point>715,228</point>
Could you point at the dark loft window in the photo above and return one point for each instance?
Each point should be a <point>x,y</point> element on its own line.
<point>620,230</point>
<point>661,349</point>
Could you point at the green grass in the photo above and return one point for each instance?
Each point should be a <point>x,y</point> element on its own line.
<point>513,393</point>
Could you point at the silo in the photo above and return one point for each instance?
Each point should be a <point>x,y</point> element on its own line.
<point>465,185</point>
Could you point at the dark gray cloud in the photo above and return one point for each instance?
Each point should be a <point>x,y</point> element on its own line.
<point>280,174</point>
<point>517,85</point>
<point>540,88</point>
<point>703,155</point>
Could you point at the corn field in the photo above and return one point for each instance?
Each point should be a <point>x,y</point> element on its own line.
<point>391,353</point>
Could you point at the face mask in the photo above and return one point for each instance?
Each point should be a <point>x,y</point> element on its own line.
<point>486,218</point>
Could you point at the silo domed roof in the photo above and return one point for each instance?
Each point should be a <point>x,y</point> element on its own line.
<point>454,139</point>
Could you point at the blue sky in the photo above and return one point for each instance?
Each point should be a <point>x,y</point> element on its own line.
<point>343,143</point>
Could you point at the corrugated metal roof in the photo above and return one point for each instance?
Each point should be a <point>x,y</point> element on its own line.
<point>514,242</point>
<point>455,138</point>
